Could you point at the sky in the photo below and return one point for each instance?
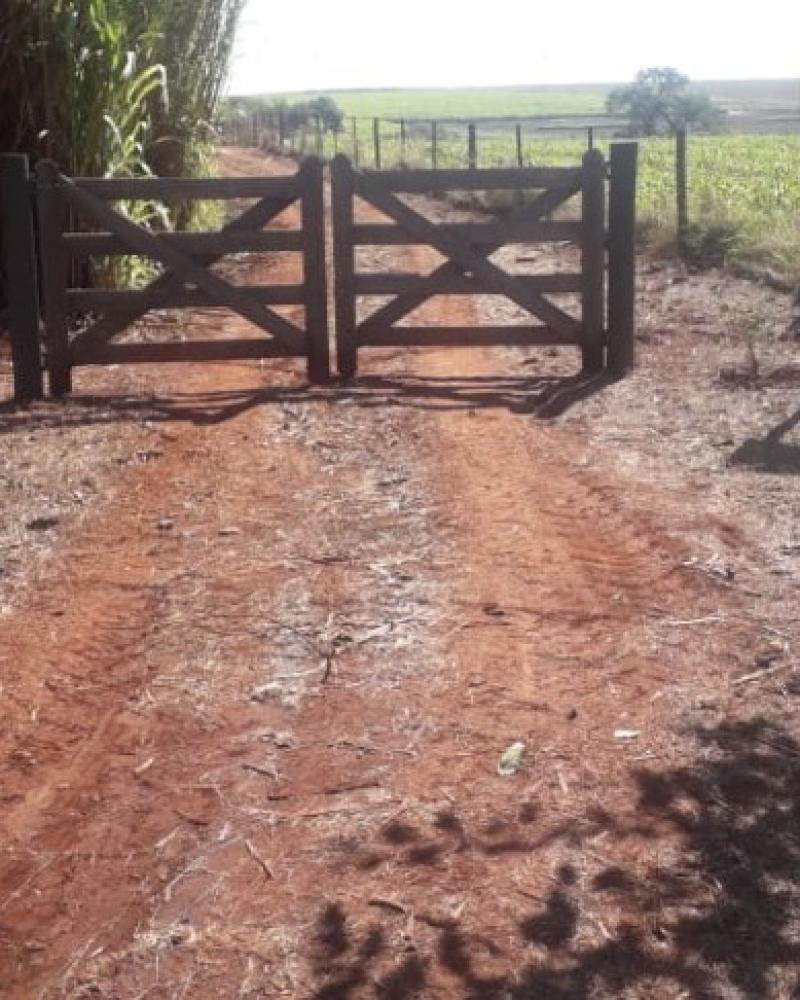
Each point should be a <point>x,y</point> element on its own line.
<point>332,44</point>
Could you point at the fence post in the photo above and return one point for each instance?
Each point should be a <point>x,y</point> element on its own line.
<point>681,188</point>
<point>342,188</point>
<point>318,130</point>
<point>622,256</point>
<point>434,144</point>
<point>355,140</point>
<point>402,141</point>
<point>472,147</point>
<point>593,260</point>
<point>52,217</point>
<point>376,142</point>
<point>314,272</point>
<point>20,265</point>
<point>518,137</point>
<point>281,128</point>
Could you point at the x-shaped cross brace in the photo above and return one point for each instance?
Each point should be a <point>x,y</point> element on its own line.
<point>184,269</point>
<point>463,258</point>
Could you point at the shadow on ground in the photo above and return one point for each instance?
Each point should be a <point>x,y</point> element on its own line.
<point>542,396</point>
<point>720,920</point>
<point>771,453</point>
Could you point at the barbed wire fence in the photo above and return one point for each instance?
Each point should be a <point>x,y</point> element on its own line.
<point>746,178</point>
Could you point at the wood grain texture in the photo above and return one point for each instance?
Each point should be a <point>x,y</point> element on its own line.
<point>21,279</point>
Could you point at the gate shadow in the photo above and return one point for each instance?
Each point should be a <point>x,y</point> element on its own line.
<point>716,916</point>
<point>771,453</point>
<point>545,397</point>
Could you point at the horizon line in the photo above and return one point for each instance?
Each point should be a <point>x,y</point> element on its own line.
<point>503,86</point>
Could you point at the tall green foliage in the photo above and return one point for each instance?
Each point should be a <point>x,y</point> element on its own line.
<point>195,40</point>
<point>116,88</point>
<point>113,86</point>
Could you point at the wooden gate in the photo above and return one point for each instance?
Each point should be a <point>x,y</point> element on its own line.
<point>602,278</point>
<point>468,268</point>
<point>186,258</point>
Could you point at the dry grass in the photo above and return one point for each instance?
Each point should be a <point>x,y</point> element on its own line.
<point>56,461</point>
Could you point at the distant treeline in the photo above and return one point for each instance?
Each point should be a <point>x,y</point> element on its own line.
<point>293,115</point>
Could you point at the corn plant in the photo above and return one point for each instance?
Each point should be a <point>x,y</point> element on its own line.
<point>114,86</point>
<point>117,88</point>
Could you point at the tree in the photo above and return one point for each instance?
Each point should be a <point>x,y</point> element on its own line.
<point>660,101</point>
<point>328,112</point>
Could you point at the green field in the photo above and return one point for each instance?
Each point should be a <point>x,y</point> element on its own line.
<point>749,185</point>
<point>463,102</point>
<point>524,101</point>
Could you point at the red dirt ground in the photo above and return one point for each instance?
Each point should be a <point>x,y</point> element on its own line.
<point>255,697</point>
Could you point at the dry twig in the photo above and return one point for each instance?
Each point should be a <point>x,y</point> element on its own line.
<point>757,674</point>
<point>262,864</point>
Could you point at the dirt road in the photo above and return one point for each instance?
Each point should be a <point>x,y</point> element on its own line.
<point>255,697</point>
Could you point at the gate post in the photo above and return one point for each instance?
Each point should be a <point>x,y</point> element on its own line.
<point>622,256</point>
<point>314,272</point>
<point>681,189</point>
<point>342,191</point>
<point>52,216</point>
<point>20,265</point>
<point>593,262</point>
<point>472,147</point>
<point>376,142</point>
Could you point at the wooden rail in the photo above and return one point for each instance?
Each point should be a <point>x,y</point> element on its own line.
<point>217,244</point>
<point>189,189</point>
<point>476,233</point>
<point>124,300</point>
<point>488,179</point>
<point>603,233</point>
<point>186,258</point>
<point>258,215</point>
<point>468,247</point>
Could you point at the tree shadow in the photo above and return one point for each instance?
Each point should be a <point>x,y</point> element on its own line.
<point>554,926</point>
<point>771,453</point>
<point>541,396</point>
<point>720,918</point>
<point>343,961</point>
<point>728,912</point>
